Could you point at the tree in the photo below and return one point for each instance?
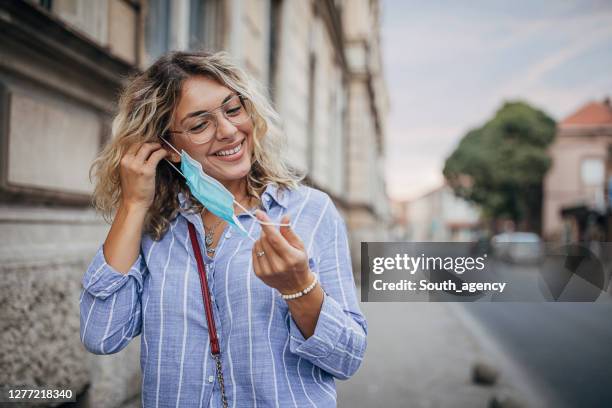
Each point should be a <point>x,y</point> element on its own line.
<point>500,166</point>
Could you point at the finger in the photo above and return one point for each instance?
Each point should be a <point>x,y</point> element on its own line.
<point>155,157</point>
<point>145,150</point>
<point>274,258</point>
<point>264,265</point>
<point>256,265</point>
<point>289,234</point>
<point>273,235</point>
<point>262,216</point>
<point>132,149</point>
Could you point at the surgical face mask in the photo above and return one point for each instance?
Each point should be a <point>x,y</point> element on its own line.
<point>213,195</point>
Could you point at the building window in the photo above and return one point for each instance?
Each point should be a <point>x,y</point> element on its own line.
<point>274,48</point>
<point>592,172</point>
<point>158,28</point>
<point>204,18</point>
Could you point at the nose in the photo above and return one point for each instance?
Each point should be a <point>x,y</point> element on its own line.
<point>225,128</point>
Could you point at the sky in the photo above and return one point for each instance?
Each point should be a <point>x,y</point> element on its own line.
<point>449,67</point>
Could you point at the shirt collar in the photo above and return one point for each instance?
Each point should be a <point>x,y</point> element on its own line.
<point>276,194</point>
<point>271,194</point>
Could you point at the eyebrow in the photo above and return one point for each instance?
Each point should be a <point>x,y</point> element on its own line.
<point>201,112</point>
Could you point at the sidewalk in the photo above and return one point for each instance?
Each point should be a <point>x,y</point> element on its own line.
<point>420,355</point>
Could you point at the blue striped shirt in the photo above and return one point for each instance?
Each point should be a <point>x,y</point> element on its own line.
<point>266,360</point>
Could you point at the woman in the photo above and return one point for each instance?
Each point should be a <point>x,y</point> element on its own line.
<point>275,350</point>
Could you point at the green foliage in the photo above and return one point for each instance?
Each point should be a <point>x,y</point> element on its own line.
<point>500,166</point>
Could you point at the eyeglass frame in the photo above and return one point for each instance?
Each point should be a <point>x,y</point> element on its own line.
<point>212,112</point>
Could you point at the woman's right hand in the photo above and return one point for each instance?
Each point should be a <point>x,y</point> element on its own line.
<point>137,173</point>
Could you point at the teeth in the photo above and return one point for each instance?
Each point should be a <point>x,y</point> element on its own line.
<point>230,151</point>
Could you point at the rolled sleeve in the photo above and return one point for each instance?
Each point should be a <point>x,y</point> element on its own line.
<point>102,280</point>
<point>338,343</point>
<point>326,335</point>
<point>110,306</point>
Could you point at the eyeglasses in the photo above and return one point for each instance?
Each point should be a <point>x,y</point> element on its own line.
<point>201,128</point>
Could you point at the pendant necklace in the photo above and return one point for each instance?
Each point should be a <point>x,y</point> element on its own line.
<point>209,236</point>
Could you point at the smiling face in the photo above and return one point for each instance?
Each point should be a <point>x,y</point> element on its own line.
<point>227,156</point>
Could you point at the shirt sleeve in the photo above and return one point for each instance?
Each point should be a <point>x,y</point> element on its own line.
<point>340,338</point>
<point>110,304</point>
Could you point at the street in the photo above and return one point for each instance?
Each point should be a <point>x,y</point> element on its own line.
<point>566,346</point>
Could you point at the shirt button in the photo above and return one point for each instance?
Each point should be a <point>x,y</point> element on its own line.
<point>211,378</point>
<point>212,297</point>
<point>267,198</point>
<point>228,234</point>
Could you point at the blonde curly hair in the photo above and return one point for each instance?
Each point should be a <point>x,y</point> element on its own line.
<point>145,110</point>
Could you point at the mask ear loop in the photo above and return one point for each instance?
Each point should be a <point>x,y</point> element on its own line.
<point>261,222</point>
<point>169,162</point>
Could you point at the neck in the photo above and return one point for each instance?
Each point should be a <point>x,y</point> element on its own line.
<point>237,187</point>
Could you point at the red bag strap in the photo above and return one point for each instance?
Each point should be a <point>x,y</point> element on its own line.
<point>212,331</point>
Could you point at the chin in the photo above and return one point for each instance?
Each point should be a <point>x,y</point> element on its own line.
<point>237,172</point>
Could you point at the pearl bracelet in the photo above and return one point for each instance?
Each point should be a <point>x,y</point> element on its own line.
<point>301,292</point>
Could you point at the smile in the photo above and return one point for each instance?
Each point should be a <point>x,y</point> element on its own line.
<point>229,152</point>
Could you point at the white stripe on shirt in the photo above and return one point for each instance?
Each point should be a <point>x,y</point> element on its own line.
<point>314,230</point>
<point>110,318</point>
<point>161,315</point>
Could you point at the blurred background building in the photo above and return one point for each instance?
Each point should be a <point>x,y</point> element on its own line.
<point>578,187</point>
<point>62,65</point>
<point>438,215</point>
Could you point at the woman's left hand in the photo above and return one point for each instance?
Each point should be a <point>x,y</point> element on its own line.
<point>284,263</point>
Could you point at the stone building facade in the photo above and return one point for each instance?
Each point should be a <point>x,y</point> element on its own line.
<point>62,64</point>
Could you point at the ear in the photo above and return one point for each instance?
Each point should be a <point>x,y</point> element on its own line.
<point>172,155</point>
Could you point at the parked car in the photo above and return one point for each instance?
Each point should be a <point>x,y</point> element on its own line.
<point>518,247</point>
